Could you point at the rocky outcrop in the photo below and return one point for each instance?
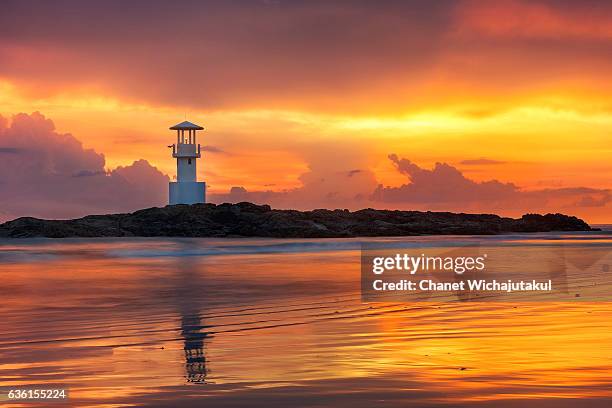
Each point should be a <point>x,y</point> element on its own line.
<point>250,220</point>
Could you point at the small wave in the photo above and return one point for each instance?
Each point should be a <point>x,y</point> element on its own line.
<point>197,247</point>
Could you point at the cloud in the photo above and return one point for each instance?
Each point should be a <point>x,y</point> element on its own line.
<point>576,197</point>
<point>50,174</point>
<point>320,189</point>
<point>9,150</point>
<point>445,188</point>
<point>87,173</point>
<point>481,161</point>
<point>336,178</point>
<point>223,54</point>
<point>329,184</point>
<point>315,56</point>
<point>213,149</point>
<point>532,19</point>
<point>443,184</point>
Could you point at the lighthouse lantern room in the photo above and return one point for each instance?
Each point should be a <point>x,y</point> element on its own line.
<point>186,189</point>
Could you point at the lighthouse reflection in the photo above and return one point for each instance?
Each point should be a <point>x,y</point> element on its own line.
<point>189,294</point>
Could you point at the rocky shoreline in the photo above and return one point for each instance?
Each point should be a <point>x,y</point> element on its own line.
<point>251,220</point>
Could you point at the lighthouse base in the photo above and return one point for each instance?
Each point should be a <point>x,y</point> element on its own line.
<point>187,192</point>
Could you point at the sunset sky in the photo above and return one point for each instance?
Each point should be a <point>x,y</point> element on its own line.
<point>474,106</point>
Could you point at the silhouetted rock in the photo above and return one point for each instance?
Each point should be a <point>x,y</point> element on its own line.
<point>250,220</point>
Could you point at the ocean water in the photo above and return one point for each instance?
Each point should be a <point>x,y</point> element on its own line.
<point>269,322</point>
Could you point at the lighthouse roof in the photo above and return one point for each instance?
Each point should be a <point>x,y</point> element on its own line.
<point>186,126</point>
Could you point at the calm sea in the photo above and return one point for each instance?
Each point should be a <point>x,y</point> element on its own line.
<point>262,322</point>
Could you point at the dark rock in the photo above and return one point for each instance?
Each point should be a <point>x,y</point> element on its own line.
<point>251,220</point>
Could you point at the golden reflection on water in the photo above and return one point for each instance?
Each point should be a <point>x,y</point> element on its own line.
<point>115,326</point>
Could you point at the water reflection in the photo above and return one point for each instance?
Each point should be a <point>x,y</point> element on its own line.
<point>189,292</point>
<point>126,322</point>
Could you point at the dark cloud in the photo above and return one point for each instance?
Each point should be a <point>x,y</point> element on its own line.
<point>221,54</point>
<point>10,150</point>
<point>481,161</point>
<point>329,55</point>
<point>55,176</point>
<point>87,173</point>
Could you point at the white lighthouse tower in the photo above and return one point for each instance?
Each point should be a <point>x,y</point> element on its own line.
<point>186,189</point>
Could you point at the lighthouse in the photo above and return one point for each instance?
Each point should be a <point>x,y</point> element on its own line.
<point>186,189</point>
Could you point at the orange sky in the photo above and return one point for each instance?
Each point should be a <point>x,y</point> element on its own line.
<point>293,92</point>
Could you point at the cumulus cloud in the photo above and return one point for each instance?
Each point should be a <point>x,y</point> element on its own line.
<point>445,188</point>
<point>443,184</point>
<point>346,189</point>
<point>49,174</point>
<point>441,188</point>
<point>332,181</point>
